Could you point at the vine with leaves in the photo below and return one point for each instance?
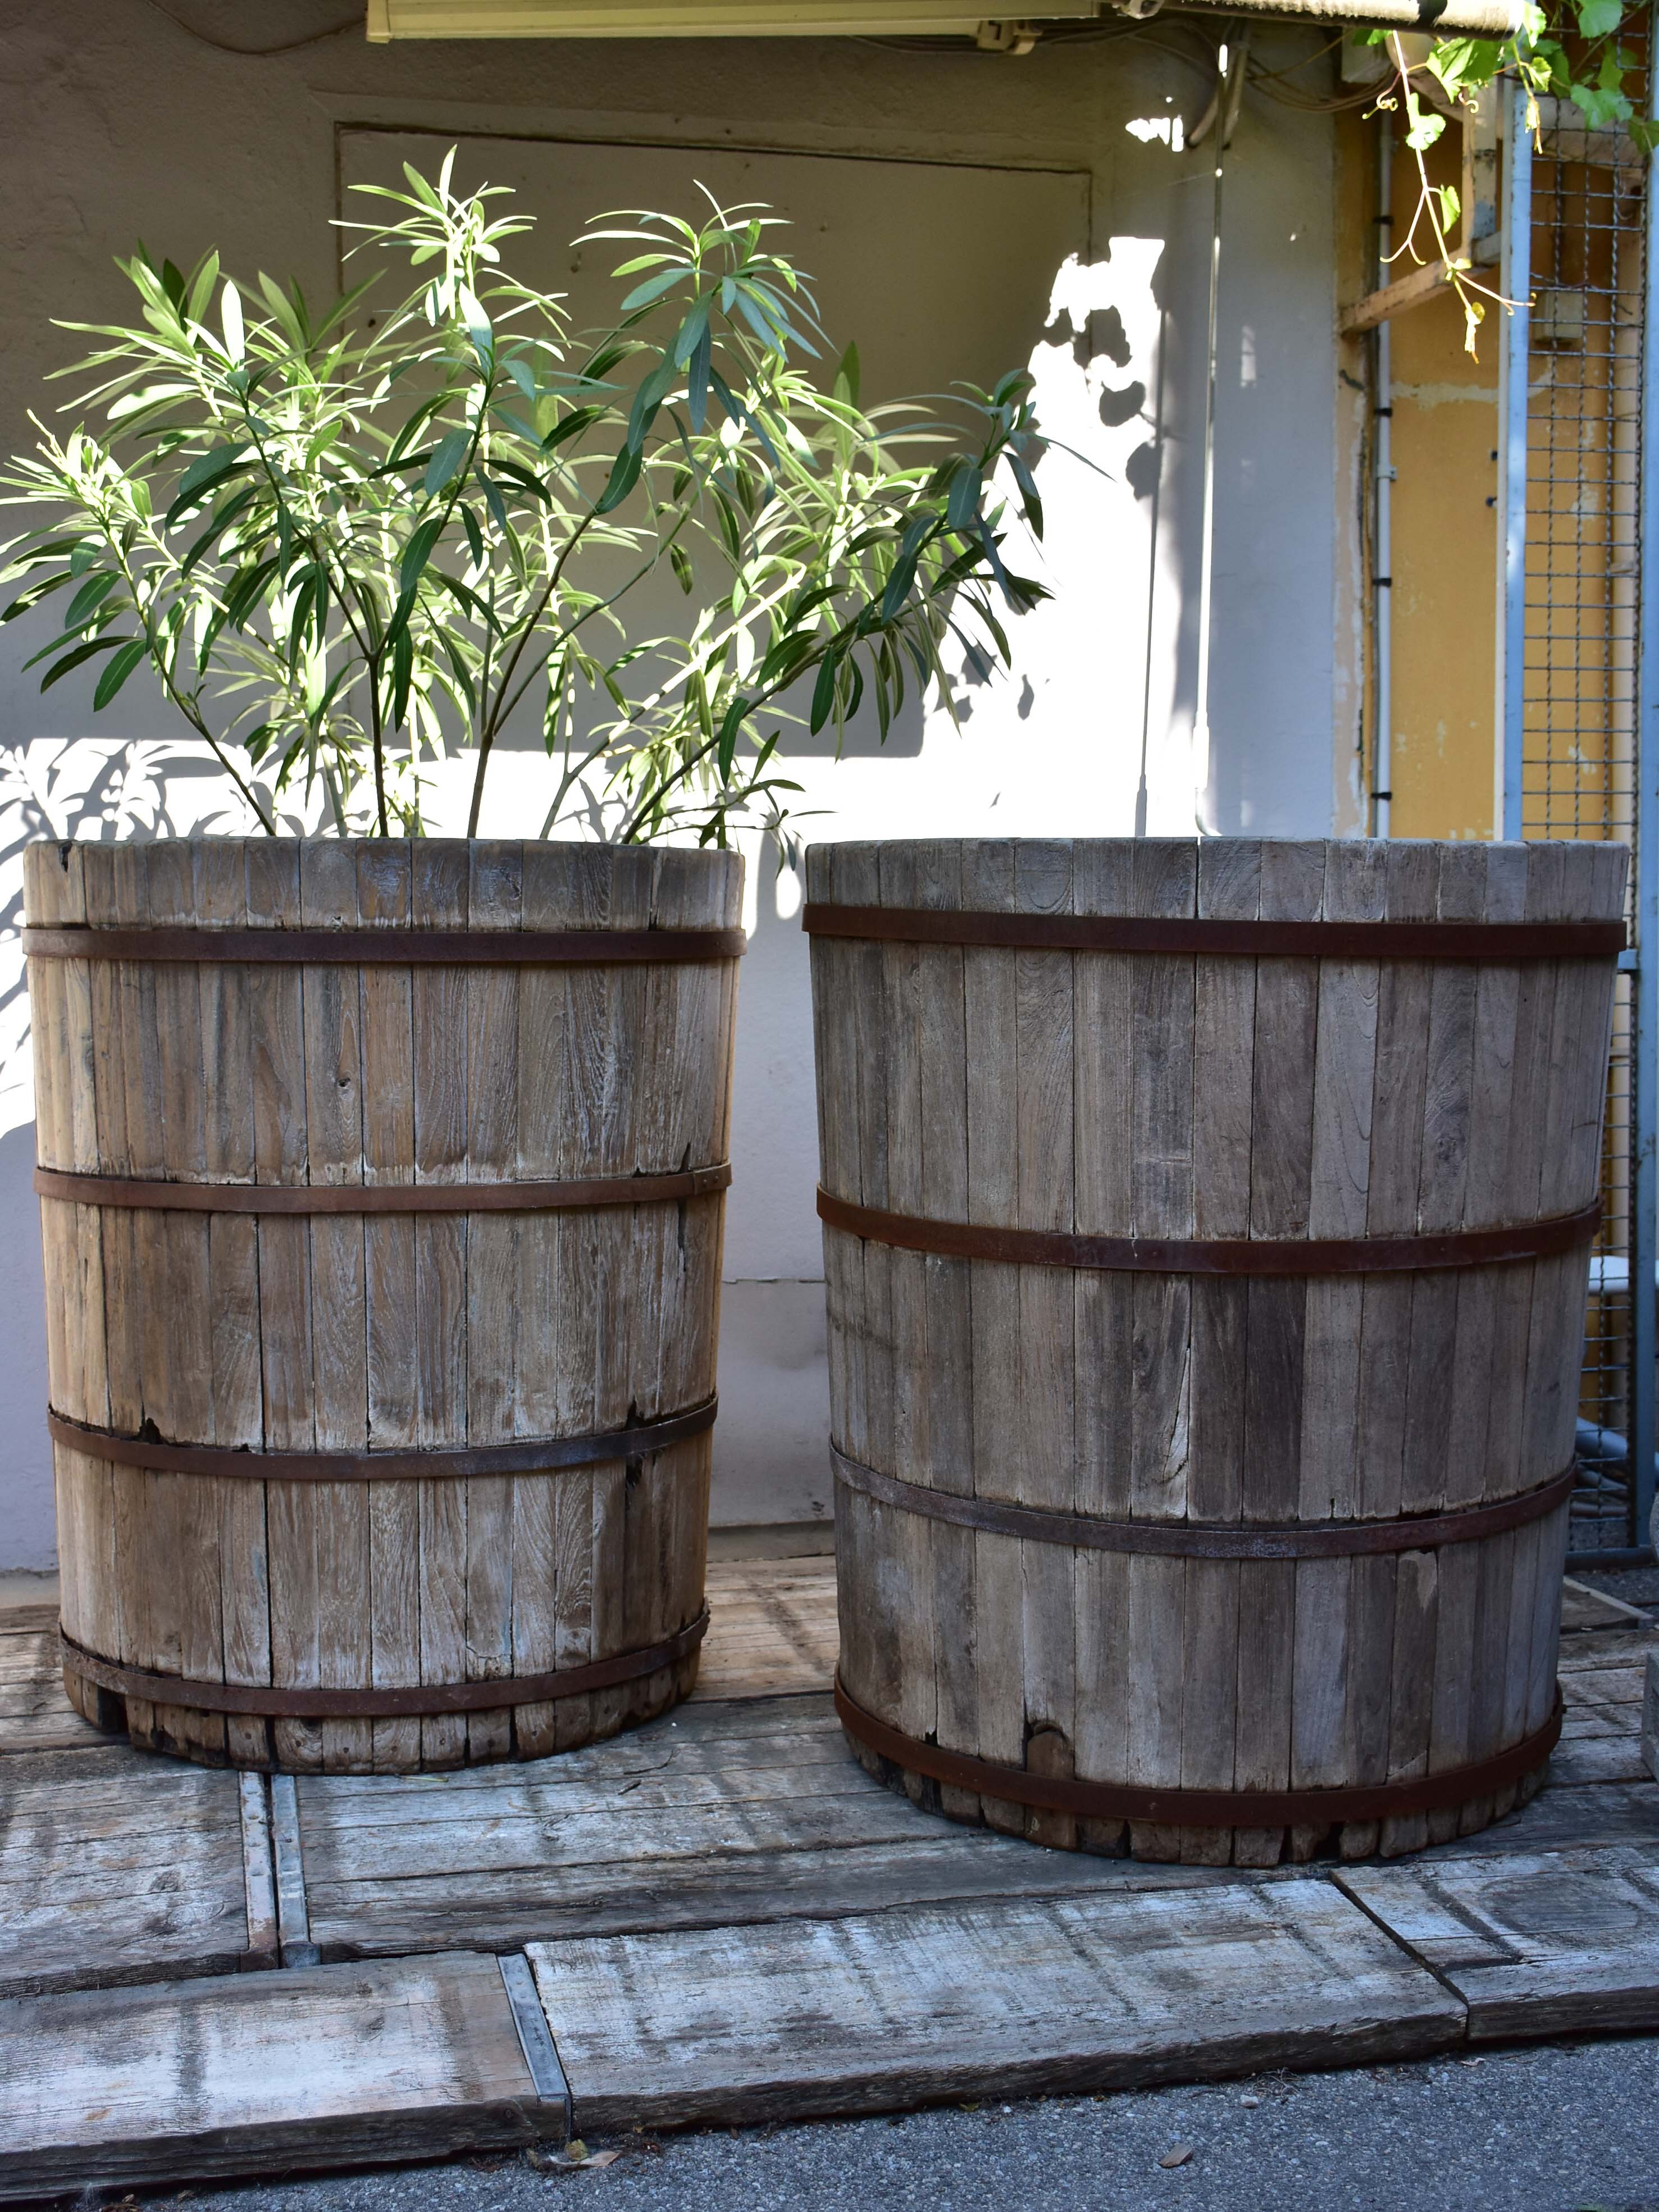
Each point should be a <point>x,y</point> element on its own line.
<point>1591,53</point>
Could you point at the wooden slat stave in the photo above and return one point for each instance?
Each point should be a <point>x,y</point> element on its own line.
<point>376,1073</point>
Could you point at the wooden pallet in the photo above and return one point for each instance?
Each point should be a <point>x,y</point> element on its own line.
<point>727,1919</point>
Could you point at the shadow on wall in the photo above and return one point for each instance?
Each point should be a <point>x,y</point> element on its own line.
<point>97,788</point>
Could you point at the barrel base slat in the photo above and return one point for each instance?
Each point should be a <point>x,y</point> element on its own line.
<point>250,1748</point>
<point>1192,1842</point>
<point>509,1733</point>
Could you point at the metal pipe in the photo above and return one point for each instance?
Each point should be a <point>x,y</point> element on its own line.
<point>772,19</point>
<point>1383,513</point>
<point>1644,1007</point>
<point>1515,280</point>
<point>1207,537</point>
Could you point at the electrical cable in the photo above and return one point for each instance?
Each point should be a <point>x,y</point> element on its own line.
<point>256,53</point>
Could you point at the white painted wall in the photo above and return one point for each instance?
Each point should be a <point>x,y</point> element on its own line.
<point>967,212</point>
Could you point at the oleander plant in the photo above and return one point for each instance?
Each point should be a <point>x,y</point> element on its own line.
<point>350,543</point>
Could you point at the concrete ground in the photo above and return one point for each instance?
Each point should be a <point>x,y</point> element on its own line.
<point>1573,2129</point>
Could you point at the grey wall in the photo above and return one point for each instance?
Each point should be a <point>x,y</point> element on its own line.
<point>124,125</point>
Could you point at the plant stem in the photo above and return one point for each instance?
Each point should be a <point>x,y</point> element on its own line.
<point>493,721</point>
<point>187,707</point>
<point>377,741</point>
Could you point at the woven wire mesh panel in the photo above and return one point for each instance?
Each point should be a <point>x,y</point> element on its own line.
<point>1578,775</point>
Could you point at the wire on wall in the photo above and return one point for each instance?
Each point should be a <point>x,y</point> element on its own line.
<point>258,54</point>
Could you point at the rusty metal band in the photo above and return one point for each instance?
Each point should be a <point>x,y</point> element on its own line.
<point>381,1198</point>
<point>392,948</point>
<point>1247,940</point>
<point>1202,1809</point>
<point>1201,1540</point>
<point>426,1463</point>
<point>1216,1255</point>
<point>267,1700</point>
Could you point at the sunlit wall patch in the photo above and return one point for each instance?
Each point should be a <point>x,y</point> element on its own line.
<point>1166,129</point>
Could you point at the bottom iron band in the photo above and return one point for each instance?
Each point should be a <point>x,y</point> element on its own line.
<point>1201,1808</point>
<point>267,1701</point>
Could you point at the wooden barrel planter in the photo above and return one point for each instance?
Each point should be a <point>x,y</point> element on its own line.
<point>382,1186</point>
<point>1206,1230</point>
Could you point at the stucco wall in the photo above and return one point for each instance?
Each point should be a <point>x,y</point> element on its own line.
<point>122,125</point>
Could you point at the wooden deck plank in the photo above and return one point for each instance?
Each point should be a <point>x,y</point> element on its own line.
<point>117,1868</point>
<point>1014,1997</point>
<point>1586,1759</point>
<point>1565,1817</point>
<point>35,1713</point>
<point>832,1883</point>
<point>327,2066</point>
<point>1585,1609</point>
<point>772,1628</point>
<point>1554,1943</point>
<point>706,1817</point>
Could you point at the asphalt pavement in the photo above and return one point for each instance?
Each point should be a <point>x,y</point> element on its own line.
<point>1568,2128</point>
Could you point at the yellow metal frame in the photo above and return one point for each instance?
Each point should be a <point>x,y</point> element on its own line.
<point>688,19</point>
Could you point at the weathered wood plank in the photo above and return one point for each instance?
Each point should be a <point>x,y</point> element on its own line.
<point>942,1865</point>
<point>258,1873</point>
<point>1584,1610</point>
<point>772,1629</point>
<point>384,890</point>
<point>1557,1943</point>
<point>1163,881</point>
<point>439,900</point>
<point>1025,1995</point>
<point>117,1868</point>
<point>329,2066</point>
<point>35,1712</point>
<point>334,1125</point>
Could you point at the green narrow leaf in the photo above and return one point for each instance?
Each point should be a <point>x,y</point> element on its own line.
<point>732,722</point>
<point>624,475</point>
<point>653,289</point>
<point>963,503</point>
<point>696,379</point>
<point>90,595</point>
<point>201,477</point>
<point>1030,496</point>
<point>223,519</point>
<point>117,673</point>
<point>647,400</point>
<point>846,377</point>
<point>824,694</point>
<point>81,653</point>
<point>494,502</point>
<point>247,590</point>
<point>447,457</point>
<point>691,332</point>
<point>478,328</point>
<point>571,425</point>
<point>402,668</point>
<point>523,375</point>
<point>230,315</point>
<point>417,553</point>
